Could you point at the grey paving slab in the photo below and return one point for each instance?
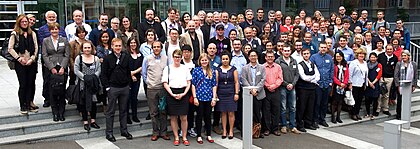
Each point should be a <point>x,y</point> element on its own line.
<point>146,143</point>
<point>372,133</point>
<point>44,145</point>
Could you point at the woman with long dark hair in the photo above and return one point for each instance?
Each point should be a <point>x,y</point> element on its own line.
<point>341,78</point>
<point>23,47</point>
<point>372,90</point>
<point>127,31</point>
<point>135,64</point>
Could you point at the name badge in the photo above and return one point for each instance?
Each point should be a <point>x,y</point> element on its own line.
<point>157,61</point>
<point>139,55</point>
<point>377,69</point>
<point>61,44</point>
<point>310,69</point>
<point>392,63</point>
<point>312,47</point>
<point>224,71</point>
<point>327,61</point>
<point>215,65</point>
<point>92,67</point>
<point>319,39</point>
<point>255,46</point>
<point>344,69</point>
<point>224,46</point>
<point>294,66</point>
<point>272,30</point>
<point>258,73</point>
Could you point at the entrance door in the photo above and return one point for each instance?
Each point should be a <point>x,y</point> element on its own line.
<point>9,10</point>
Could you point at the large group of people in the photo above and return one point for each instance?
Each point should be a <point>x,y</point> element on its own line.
<point>301,67</point>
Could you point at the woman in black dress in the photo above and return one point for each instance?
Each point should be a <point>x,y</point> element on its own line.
<point>136,61</point>
<point>177,81</point>
<point>227,92</point>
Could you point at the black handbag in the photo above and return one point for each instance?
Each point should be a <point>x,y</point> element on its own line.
<point>383,88</point>
<point>73,93</point>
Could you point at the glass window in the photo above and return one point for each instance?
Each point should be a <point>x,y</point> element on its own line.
<point>89,8</point>
<point>120,8</point>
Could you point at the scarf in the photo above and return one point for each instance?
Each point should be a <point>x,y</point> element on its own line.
<point>25,44</point>
<point>372,65</point>
<point>410,72</point>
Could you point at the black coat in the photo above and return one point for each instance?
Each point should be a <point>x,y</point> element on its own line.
<point>113,74</point>
<point>144,26</point>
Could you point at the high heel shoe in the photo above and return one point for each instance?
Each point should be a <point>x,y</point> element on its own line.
<point>224,137</point>
<point>86,127</point>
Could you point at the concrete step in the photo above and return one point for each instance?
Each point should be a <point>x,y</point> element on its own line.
<point>45,113</point>
<point>75,133</point>
<point>29,127</point>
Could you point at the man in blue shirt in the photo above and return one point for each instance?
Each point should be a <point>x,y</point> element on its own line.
<point>307,43</point>
<point>342,46</point>
<point>215,60</point>
<point>324,63</point>
<point>238,60</point>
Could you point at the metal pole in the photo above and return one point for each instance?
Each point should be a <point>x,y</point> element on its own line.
<point>247,118</point>
<point>405,88</point>
<point>392,136</point>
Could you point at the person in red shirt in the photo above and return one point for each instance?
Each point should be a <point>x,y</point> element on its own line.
<point>340,82</point>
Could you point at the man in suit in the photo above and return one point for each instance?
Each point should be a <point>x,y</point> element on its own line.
<point>253,74</point>
<point>150,23</point>
<point>103,26</point>
<point>381,35</point>
<point>115,77</point>
<point>306,85</point>
<point>193,39</point>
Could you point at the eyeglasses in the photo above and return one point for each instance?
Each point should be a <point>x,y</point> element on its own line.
<point>177,57</point>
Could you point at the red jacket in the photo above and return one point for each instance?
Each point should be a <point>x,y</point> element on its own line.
<point>346,75</point>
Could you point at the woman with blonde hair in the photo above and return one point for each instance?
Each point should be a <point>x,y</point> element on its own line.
<point>358,79</point>
<point>23,47</point>
<point>204,94</point>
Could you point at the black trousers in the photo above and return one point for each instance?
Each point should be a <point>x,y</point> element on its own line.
<point>191,109</point>
<point>45,89</point>
<point>132,99</point>
<point>216,118</point>
<point>257,107</point>
<point>203,113</point>
<point>26,76</point>
<point>57,100</point>
<point>117,97</point>
<point>399,104</point>
<point>85,114</point>
<point>305,107</point>
<point>238,113</point>
<point>358,93</point>
<point>371,101</point>
<point>271,110</point>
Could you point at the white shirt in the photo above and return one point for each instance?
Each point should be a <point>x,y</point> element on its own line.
<point>71,31</point>
<point>314,78</point>
<point>171,49</point>
<point>178,77</point>
<point>189,65</point>
<point>297,57</point>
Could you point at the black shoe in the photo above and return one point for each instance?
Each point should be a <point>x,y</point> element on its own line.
<point>148,117</point>
<point>387,113</point>
<point>136,119</point>
<point>324,124</point>
<point>46,104</point>
<point>94,125</point>
<point>129,120</point>
<point>310,127</point>
<point>316,125</point>
<point>127,135</point>
<point>338,119</point>
<point>61,117</point>
<point>358,117</point>
<point>375,113</point>
<point>302,129</point>
<point>333,119</point>
<point>110,138</point>
<point>55,118</point>
<point>86,127</point>
<point>354,117</point>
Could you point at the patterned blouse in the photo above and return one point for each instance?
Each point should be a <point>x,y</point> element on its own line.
<point>204,85</point>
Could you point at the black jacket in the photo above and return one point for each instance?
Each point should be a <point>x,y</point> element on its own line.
<point>113,74</point>
<point>388,67</point>
<point>144,26</point>
<point>376,39</point>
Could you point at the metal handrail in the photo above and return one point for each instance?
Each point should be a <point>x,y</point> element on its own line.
<point>414,50</point>
<point>413,27</point>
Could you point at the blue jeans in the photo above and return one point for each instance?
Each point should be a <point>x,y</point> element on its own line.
<point>321,103</point>
<point>289,97</point>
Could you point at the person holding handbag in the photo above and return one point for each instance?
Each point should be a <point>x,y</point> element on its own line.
<point>87,68</point>
<point>204,92</point>
<point>23,47</point>
<point>56,55</point>
<point>373,89</point>
<point>341,78</point>
<point>358,81</point>
<point>177,80</point>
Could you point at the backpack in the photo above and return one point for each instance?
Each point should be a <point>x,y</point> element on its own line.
<point>5,48</point>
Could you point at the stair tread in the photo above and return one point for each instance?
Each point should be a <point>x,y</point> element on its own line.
<point>32,123</point>
<point>56,133</point>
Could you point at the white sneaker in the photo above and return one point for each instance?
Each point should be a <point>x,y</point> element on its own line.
<point>192,133</point>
